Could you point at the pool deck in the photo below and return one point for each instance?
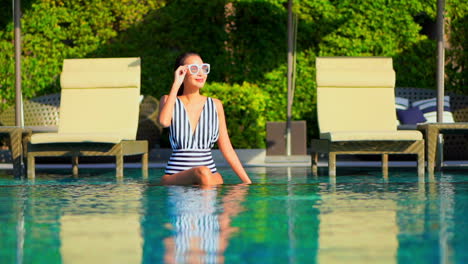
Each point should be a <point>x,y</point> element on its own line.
<point>250,158</point>
<point>258,158</point>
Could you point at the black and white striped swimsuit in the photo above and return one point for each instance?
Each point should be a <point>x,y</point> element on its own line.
<point>192,150</point>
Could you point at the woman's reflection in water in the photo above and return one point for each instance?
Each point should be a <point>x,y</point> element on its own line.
<point>201,224</point>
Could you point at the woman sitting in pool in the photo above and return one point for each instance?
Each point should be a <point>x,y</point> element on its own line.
<point>196,123</point>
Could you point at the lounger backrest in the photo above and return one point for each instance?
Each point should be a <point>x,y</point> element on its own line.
<point>100,96</point>
<point>355,94</point>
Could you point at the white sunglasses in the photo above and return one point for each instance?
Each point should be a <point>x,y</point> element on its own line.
<point>195,68</point>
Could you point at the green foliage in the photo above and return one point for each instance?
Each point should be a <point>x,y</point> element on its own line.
<point>244,40</point>
<point>275,85</point>
<point>244,110</point>
<point>53,30</point>
<point>457,62</point>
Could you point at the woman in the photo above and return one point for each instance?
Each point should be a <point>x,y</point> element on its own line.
<point>196,123</point>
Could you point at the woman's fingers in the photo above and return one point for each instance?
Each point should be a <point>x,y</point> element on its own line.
<point>180,74</point>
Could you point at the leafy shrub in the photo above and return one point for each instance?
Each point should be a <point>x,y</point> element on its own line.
<point>244,106</point>
<point>457,56</point>
<point>53,30</point>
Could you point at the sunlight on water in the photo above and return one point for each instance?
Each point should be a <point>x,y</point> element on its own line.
<point>286,216</point>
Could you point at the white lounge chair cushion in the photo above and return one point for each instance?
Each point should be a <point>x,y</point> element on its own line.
<point>117,79</point>
<point>99,99</point>
<point>356,109</point>
<point>356,78</point>
<point>372,135</point>
<point>42,138</point>
<point>100,111</point>
<point>349,72</point>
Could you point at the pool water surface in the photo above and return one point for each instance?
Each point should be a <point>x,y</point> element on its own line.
<point>286,216</point>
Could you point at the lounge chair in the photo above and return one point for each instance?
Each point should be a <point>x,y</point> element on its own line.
<point>356,112</point>
<point>98,114</point>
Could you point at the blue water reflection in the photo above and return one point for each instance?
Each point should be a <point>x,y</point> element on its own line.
<point>287,216</point>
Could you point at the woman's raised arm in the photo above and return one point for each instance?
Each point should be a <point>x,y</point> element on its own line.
<point>166,104</point>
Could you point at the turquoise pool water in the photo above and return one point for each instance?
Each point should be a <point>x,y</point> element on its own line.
<point>287,216</point>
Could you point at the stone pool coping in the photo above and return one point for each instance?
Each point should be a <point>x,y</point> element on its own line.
<point>250,158</point>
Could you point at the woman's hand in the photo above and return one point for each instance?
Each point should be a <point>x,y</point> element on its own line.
<point>179,75</point>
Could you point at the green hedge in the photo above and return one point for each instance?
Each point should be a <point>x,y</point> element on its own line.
<point>244,107</point>
<point>53,30</point>
<point>457,63</point>
<point>244,40</point>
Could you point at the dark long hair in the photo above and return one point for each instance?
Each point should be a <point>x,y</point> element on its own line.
<point>181,61</point>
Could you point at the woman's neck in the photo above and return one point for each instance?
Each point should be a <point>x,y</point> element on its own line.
<point>191,95</point>
<point>194,92</point>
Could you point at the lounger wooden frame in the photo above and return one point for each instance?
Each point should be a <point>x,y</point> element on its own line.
<point>365,147</point>
<point>124,148</point>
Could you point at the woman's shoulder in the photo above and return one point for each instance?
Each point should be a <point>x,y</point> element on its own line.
<point>218,104</point>
<point>216,100</point>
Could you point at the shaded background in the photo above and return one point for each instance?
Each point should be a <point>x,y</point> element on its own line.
<point>245,42</point>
